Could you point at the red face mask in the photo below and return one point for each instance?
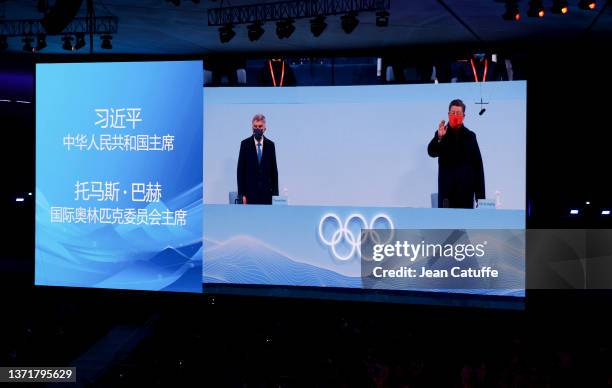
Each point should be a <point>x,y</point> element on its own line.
<point>455,121</point>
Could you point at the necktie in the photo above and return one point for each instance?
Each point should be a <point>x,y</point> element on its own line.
<point>259,152</point>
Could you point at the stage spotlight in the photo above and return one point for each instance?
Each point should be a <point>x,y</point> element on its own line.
<point>80,41</point>
<point>107,43</point>
<point>67,43</point>
<point>226,33</point>
<point>512,11</point>
<point>3,43</point>
<point>605,212</point>
<point>255,31</point>
<point>574,211</point>
<point>27,43</point>
<point>536,9</point>
<point>318,25</point>
<point>587,5</point>
<point>285,28</point>
<point>349,22</point>
<point>41,42</point>
<point>560,7</point>
<point>382,18</point>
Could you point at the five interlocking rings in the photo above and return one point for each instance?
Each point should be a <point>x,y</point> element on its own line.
<point>344,233</point>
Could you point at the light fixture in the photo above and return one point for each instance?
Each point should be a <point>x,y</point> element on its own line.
<point>318,25</point>
<point>67,43</point>
<point>587,5</point>
<point>107,43</point>
<point>226,33</point>
<point>285,28</point>
<point>255,31</point>
<point>382,18</point>
<point>512,11</point>
<point>574,211</point>
<point>559,7</point>
<point>349,22</point>
<point>80,41</point>
<point>605,212</point>
<point>27,43</point>
<point>536,9</point>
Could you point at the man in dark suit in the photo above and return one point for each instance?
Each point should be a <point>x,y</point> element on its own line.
<point>460,171</point>
<point>257,172</point>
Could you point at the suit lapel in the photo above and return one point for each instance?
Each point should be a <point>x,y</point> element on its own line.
<point>253,149</point>
<point>263,150</point>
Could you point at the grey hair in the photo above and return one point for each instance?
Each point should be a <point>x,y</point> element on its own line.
<point>259,117</point>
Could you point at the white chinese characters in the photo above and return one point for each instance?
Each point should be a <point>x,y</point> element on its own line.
<point>93,215</point>
<point>116,118</point>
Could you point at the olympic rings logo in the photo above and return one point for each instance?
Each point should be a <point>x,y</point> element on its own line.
<point>343,233</point>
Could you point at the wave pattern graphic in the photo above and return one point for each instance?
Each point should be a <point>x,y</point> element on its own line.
<point>122,256</point>
<point>246,260</point>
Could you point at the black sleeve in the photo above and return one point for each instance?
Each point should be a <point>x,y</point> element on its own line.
<point>274,171</point>
<point>240,172</point>
<point>263,77</point>
<point>435,147</point>
<point>290,79</point>
<point>462,72</point>
<point>479,172</point>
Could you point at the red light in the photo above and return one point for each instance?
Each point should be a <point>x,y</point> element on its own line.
<point>541,13</point>
<point>592,5</point>
<point>517,16</point>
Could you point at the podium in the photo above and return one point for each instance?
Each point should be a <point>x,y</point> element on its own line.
<point>487,203</point>
<point>281,200</point>
<point>276,200</point>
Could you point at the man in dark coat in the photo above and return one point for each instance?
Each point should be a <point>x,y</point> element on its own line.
<point>257,173</point>
<point>460,171</point>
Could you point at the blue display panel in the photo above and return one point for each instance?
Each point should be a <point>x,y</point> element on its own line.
<point>352,158</point>
<point>119,175</point>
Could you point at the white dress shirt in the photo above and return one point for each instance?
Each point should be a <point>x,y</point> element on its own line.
<point>257,142</point>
